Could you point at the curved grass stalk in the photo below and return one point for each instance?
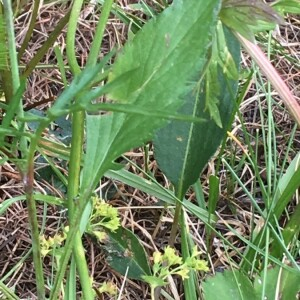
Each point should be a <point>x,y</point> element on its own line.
<point>280,86</point>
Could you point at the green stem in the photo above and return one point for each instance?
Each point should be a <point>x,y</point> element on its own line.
<point>74,226</point>
<point>50,41</point>
<point>73,190</point>
<point>97,42</point>
<point>176,220</point>
<point>7,292</point>
<point>35,10</point>
<point>152,293</point>
<point>174,228</point>
<point>75,12</point>
<point>28,174</point>
<point>75,160</point>
<point>28,185</point>
<point>35,235</point>
<point>29,196</point>
<point>11,45</point>
<point>14,67</point>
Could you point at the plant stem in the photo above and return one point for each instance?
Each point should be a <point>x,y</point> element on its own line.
<point>97,42</point>
<point>75,12</point>
<point>263,62</point>
<point>28,179</point>
<point>14,68</point>
<point>176,218</point>
<point>152,293</point>
<point>35,236</point>
<point>50,41</point>
<point>11,45</point>
<point>78,135</point>
<point>35,10</point>
<point>27,173</point>
<point>74,226</point>
<point>73,190</point>
<point>75,161</point>
<point>178,210</point>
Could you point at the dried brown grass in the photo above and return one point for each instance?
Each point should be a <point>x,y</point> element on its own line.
<point>140,212</point>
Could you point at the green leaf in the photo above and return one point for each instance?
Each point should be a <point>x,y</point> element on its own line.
<point>287,186</point>
<point>7,203</point>
<point>284,184</point>
<point>148,186</point>
<point>156,190</point>
<point>280,284</point>
<point>228,286</point>
<point>38,197</point>
<point>287,6</point>
<point>289,233</point>
<point>154,281</point>
<point>167,52</point>
<point>3,44</point>
<point>248,17</point>
<point>183,149</point>
<point>124,251</point>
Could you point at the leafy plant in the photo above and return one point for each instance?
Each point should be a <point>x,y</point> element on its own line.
<point>175,82</point>
<point>169,264</point>
<point>276,283</point>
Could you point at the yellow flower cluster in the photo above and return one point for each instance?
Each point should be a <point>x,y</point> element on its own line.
<point>170,263</point>
<point>103,215</point>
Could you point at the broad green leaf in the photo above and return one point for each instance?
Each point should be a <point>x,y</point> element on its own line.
<point>280,284</point>
<point>183,149</point>
<point>167,52</point>
<point>78,85</point>
<point>228,286</point>
<point>124,251</point>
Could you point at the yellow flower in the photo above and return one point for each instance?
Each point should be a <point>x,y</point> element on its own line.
<point>183,273</point>
<point>157,257</point>
<point>171,257</point>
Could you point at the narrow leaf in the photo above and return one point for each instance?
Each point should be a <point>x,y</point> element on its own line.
<point>156,190</point>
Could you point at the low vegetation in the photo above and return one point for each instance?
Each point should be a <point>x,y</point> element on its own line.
<point>149,149</point>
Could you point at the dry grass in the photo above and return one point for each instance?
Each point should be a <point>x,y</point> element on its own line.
<point>140,212</point>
